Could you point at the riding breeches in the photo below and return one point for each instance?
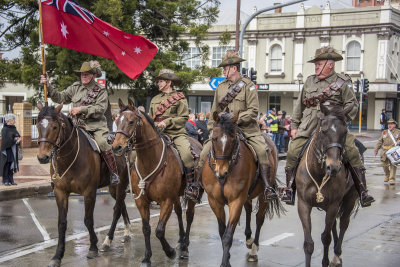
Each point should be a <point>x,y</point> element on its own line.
<point>100,136</point>
<point>257,142</point>
<point>298,142</point>
<point>389,168</point>
<point>183,146</point>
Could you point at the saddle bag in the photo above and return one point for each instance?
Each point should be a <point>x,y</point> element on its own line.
<point>393,155</point>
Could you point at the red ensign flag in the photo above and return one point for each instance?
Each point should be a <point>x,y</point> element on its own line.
<point>69,25</point>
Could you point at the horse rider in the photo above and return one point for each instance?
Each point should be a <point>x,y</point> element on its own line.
<point>170,112</point>
<point>326,83</point>
<point>239,95</point>
<point>90,102</point>
<point>389,139</point>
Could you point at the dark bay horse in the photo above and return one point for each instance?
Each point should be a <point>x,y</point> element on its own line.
<point>323,182</point>
<point>76,167</point>
<point>231,163</point>
<point>156,176</point>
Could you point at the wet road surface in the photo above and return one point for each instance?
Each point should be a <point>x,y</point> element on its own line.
<point>28,233</point>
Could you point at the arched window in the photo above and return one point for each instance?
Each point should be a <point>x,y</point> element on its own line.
<point>276,58</point>
<point>353,56</point>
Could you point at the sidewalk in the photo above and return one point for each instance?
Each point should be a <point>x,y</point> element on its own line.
<point>33,178</point>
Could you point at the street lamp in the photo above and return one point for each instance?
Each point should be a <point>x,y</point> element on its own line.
<point>299,79</point>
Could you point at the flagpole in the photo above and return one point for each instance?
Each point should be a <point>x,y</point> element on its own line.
<point>42,49</point>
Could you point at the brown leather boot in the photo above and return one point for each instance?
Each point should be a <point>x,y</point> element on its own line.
<point>193,188</point>
<point>269,192</point>
<point>108,157</point>
<point>289,192</point>
<point>361,186</point>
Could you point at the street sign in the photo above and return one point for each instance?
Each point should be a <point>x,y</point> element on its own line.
<point>263,87</point>
<point>102,79</point>
<point>215,81</point>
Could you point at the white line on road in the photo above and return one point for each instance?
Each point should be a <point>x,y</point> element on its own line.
<point>35,220</point>
<point>276,239</point>
<point>52,242</point>
<point>398,193</point>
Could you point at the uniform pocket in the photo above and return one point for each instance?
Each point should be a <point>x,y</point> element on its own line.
<point>311,92</point>
<point>76,99</point>
<point>305,121</point>
<point>238,104</point>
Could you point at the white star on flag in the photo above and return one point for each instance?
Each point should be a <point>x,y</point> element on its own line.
<point>127,37</point>
<point>106,33</point>
<point>123,53</point>
<point>138,50</point>
<point>64,30</point>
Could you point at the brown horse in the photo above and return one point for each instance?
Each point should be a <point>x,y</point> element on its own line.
<point>76,167</point>
<point>156,176</point>
<point>322,182</point>
<point>231,177</point>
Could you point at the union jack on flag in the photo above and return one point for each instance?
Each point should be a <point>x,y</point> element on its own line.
<point>70,6</point>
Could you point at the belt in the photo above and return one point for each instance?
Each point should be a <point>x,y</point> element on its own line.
<point>160,119</point>
<point>387,147</point>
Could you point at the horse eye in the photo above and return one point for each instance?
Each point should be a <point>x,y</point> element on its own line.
<point>54,127</point>
<point>131,122</point>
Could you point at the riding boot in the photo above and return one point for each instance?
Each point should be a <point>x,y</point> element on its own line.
<point>269,192</point>
<point>192,190</point>
<point>289,192</point>
<point>109,158</point>
<point>361,186</point>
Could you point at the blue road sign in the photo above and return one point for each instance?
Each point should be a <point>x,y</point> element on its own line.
<point>215,81</point>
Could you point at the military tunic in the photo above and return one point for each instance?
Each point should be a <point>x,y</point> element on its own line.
<point>175,118</point>
<point>92,116</point>
<point>246,105</point>
<point>305,119</point>
<point>385,143</point>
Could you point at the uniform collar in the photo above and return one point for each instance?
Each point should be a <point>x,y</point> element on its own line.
<point>330,79</point>
<point>168,94</point>
<point>237,81</point>
<point>91,85</point>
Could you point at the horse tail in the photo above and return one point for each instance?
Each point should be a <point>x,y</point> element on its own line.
<point>275,207</point>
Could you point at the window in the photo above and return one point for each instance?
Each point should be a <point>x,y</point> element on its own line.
<point>217,54</point>
<point>276,58</point>
<point>275,101</point>
<point>192,58</point>
<point>353,56</point>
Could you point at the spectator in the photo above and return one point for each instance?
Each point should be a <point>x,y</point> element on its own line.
<point>142,109</point>
<point>191,127</point>
<point>261,123</point>
<point>287,135</point>
<point>202,126</point>
<point>279,140</point>
<point>115,117</point>
<point>272,121</point>
<point>9,150</point>
<point>207,117</point>
<point>383,120</point>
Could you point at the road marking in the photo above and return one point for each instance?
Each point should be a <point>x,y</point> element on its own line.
<point>398,193</point>
<point>53,242</point>
<point>35,220</point>
<point>276,239</point>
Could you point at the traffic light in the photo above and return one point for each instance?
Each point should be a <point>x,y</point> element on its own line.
<point>253,75</point>
<point>244,72</point>
<point>365,86</point>
<point>357,86</point>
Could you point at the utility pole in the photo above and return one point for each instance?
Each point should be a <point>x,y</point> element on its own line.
<point>237,25</point>
<point>361,102</point>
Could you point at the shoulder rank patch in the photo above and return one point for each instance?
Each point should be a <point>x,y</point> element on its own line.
<point>252,87</point>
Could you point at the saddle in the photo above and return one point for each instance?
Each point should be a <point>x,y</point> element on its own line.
<point>89,137</point>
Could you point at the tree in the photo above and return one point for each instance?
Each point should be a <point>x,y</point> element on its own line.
<point>162,22</point>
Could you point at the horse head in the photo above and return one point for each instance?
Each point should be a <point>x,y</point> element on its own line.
<point>49,126</point>
<point>224,141</point>
<point>127,126</point>
<point>332,136</point>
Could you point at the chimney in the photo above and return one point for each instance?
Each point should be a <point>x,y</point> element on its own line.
<point>278,10</point>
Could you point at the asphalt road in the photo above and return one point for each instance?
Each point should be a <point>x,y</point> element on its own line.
<point>28,233</point>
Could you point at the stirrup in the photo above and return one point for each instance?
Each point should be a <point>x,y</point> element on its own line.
<point>270,194</point>
<point>366,200</point>
<point>114,180</point>
<point>192,193</point>
<point>288,197</point>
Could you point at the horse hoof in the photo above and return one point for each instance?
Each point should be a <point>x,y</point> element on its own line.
<point>336,261</point>
<point>55,263</point>
<point>126,239</point>
<point>252,258</point>
<point>92,254</point>
<point>171,254</point>
<point>105,248</point>
<point>335,264</point>
<point>249,242</point>
<point>184,255</point>
<point>145,263</point>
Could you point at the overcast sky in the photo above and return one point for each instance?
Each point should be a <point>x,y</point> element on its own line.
<point>247,7</point>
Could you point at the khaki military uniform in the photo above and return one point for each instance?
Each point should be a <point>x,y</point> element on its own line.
<point>305,119</point>
<point>246,105</point>
<point>385,143</point>
<point>175,118</point>
<point>92,116</point>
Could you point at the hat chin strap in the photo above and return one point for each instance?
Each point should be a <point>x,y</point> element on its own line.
<point>227,75</point>
<point>326,61</point>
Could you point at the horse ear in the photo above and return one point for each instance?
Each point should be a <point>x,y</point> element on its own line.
<point>348,109</point>
<point>59,108</point>
<point>39,105</point>
<point>131,104</point>
<point>215,116</point>
<point>120,103</point>
<point>323,108</point>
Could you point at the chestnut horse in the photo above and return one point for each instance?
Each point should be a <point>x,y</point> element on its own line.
<point>76,167</point>
<point>230,177</point>
<point>157,176</point>
<point>323,182</point>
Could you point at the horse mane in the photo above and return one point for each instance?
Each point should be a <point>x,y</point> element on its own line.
<point>338,112</point>
<point>226,123</point>
<point>148,118</point>
<point>50,111</point>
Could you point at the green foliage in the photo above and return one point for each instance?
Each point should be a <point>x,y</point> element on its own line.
<point>225,38</point>
<point>162,22</point>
